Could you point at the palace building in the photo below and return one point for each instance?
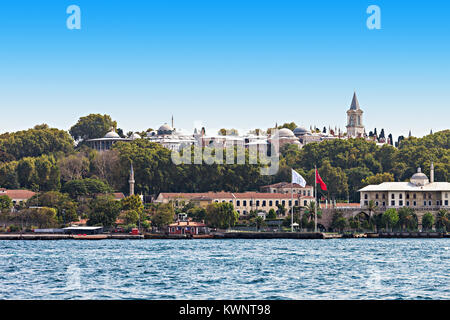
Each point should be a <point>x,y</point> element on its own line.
<point>419,193</point>
<point>243,202</point>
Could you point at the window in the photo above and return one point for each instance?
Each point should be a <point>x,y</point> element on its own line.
<point>446,202</point>
<point>296,202</point>
<point>244,203</point>
<point>425,203</point>
<point>264,203</point>
<point>384,196</point>
<point>429,203</point>
<point>407,196</point>
<point>283,202</point>
<point>270,203</point>
<point>366,196</point>
<point>400,196</point>
<point>251,203</point>
<point>393,196</point>
<point>384,204</point>
<point>407,203</point>
<point>305,203</point>
<point>257,203</point>
<point>414,196</point>
<point>238,203</point>
<point>277,202</point>
<point>366,203</point>
<point>414,203</point>
<point>376,203</point>
<point>309,193</point>
<point>400,203</point>
<point>290,203</point>
<point>392,203</point>
<point>446,195</point>
<point>376,196</point>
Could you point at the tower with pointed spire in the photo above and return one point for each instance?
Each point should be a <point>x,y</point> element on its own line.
<point>355,127</point>
<point>131,181</point>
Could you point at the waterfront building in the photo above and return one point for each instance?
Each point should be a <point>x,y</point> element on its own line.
<point>188,227</point>
<point>419,193</point>
<point>243,202</point>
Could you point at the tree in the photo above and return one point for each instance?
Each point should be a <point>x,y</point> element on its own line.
<point>197,214</point>
<point>221,215</point>
<point>372,207</point>
<point>338,221</point>
<point>271,215</point>
<point>129,217</point>
<point>427,221</point>
<point>163,215</point>
<point>390,218</point>
<point>65,207</point>
<point>407,219</point>
<point>335,178</point>
<point>379,178</point>
<point>104,210</point>
<point>85,187</point>
<point>92,126</point>
<point>5,203</point>
<point>442,220</point>
<point>73,167</point>
<point>35,142</point>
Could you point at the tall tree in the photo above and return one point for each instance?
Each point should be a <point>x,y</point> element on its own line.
<point>92,126</point>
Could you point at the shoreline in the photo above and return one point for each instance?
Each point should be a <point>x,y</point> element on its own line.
<point>229,235</point>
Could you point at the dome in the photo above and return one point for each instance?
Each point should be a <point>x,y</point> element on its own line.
<point>285,133</point>
<point>165,129</point>
<point>112,134</point>
<point>419,178</point>
<point>135,136</point>
<point>300,131</point>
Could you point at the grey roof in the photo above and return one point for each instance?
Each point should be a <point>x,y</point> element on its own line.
<point>355,103</point>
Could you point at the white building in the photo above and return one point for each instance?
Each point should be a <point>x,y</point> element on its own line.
<point>419,193</point>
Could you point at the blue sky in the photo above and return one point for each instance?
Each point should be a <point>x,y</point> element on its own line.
<point>233,64</point>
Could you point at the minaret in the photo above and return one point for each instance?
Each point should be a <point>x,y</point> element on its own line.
<point>432,172</point>
<point>131,181</point>
<point>355,127</point>
<point>172,121</point>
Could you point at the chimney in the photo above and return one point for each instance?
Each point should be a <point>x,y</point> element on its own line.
<point>432,173</point>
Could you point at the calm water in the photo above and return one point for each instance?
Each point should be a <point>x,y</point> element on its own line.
<point>226,269</point>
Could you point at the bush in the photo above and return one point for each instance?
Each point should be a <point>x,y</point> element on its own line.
<point>13,228</point>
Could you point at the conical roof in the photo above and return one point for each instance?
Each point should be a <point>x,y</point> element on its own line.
<point>355,103</point>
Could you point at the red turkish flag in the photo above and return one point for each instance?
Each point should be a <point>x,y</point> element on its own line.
<point>323,186</point>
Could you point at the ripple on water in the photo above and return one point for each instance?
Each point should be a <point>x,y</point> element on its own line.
<point>226,269</point>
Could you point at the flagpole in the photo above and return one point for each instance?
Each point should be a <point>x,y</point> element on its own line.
<point>315,198</point>
<point>292,207</point>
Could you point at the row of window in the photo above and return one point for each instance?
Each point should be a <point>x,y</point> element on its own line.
<point>414,203</point>
<point>400,196</point>
<point>263,203</point>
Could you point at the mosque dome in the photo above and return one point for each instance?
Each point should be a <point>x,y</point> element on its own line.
<point>135,136</point>
<point>300,131</point>
<point>285,133</point>
<point>165,129</point>
<point>419,178</point>
<point>112,134</point>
